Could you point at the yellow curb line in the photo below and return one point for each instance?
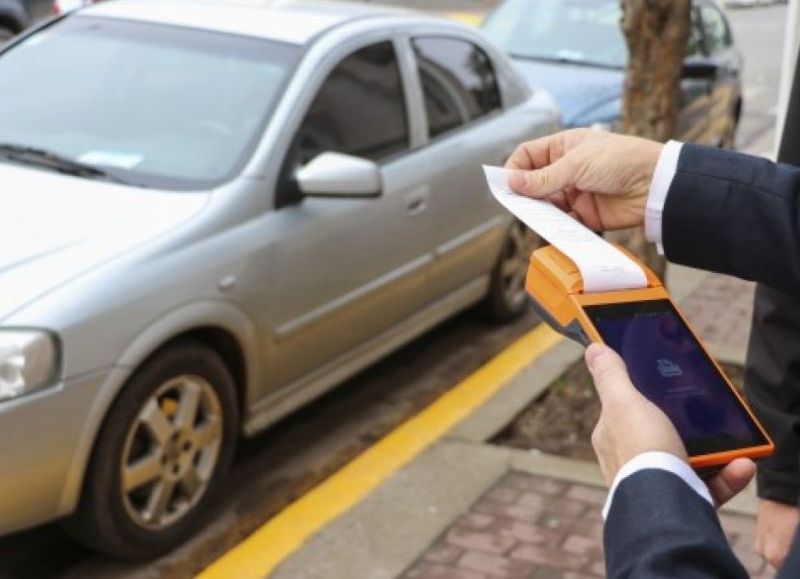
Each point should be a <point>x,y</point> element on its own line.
<point>260,553</point>
<point>469,18</point>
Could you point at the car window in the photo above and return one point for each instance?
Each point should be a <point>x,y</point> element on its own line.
<point>458,82</point>
<point>585,32</point>
<point>155,105</point>
<point>715,28</point>
<point>360,109</point>
<point>695,46</point>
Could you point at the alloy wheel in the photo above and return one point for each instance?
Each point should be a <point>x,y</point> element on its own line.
<point>171,451</point>
<point>514,264</point>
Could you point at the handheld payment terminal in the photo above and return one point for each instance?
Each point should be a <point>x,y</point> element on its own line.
<point>665,359</point>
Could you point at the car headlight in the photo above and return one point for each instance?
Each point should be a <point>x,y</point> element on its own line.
<point>29,361</point>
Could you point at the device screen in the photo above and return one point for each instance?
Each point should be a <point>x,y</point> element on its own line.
<point>668,365</point>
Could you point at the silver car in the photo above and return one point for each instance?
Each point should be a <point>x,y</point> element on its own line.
<point>211,213</point>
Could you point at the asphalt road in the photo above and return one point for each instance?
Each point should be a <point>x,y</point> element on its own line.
<point>282,463</point>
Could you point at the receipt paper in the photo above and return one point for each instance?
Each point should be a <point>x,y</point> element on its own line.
<point>603,267</point>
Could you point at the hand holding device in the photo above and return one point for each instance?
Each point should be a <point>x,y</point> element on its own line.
<point>666,361</point>
<point>630,424</point>
<point>775,529</point>
<point>600,178</point>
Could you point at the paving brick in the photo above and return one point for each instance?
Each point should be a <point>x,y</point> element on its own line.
<point>555,520</point>
<point>526,532</point>
<point>475,521</point>
<point>568,507</point>
<point>434,571</point>
<point>479,540</point>
<point>521,513</point>
<point>495,565</point>
<point>549,573</point>
<point>720,308</point>
<point>525,482</point>
<point>549,557</point>
<point>590,495</point>
<point>579,545</point>
<point>541,535</point>
<point>503,494</point>
<point>588,528</point>
<point>443,553</point>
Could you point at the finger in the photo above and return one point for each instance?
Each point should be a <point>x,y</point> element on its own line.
<point>542,182</point>
<point>559,199</point>
<point>537,153</point>
<point>731,480</point>
<point>610,375</point>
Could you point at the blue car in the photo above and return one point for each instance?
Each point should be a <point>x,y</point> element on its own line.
<point>575,50</point>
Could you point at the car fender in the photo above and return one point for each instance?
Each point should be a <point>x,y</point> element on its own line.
<point>200,314</point>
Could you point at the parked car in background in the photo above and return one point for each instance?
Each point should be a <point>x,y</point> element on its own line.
<point>575,49</point>
<point>229,209</point>
<point>64,6</point>
<point>17,15</point>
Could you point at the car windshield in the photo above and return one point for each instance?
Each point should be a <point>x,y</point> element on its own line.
<point>577,31</point>
<point>153,105</point>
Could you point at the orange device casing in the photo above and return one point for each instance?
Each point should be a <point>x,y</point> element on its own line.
<point>555,284</point>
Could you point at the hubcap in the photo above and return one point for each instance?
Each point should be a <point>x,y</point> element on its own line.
<point>171,451</point>
<point>514,266</point>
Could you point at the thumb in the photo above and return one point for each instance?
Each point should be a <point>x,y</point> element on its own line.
<point>610,374</point>
<point>542,182</point>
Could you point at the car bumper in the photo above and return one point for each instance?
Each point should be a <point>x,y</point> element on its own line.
<point>45,440</point>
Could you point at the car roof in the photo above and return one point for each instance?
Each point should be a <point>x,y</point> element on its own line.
<point>293,21</point>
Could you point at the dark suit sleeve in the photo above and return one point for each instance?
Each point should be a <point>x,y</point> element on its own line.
<point>735,214</point>
<point>659,527</point>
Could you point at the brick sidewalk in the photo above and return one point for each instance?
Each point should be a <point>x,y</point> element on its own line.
<point>720,309</point>
<point>528,526</point>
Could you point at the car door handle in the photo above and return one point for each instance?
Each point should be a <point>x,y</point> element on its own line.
<point>417,206</point>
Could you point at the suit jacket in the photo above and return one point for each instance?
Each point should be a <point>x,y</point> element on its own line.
<point>659,527</point>
<point>739,215</point>
<point>735,214</point>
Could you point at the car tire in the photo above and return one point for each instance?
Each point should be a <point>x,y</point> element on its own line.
<point>161,455</point>
<point>6,34</point>
<point>728,140</point>
<point>507,299</point>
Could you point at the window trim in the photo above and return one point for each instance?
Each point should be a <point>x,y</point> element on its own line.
<point>728,36</point>
<point>418,80</point>
<point>314,84</point>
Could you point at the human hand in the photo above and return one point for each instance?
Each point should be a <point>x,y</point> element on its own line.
<point>630,424</point>
<point>600,178</point>
<point>775,528</point>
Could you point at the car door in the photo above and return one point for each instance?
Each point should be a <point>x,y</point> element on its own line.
<point>725,84</point>
<point>349,270</point>
<point>461,101</point>
<point>696,86</point>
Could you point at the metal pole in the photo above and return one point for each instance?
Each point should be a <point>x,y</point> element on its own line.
<point>791,45</point>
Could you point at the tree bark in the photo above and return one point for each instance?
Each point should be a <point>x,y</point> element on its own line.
<point>657,33</point>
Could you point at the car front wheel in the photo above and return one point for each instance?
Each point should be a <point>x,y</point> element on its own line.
<point>507,299</point>
<point>164,448</point>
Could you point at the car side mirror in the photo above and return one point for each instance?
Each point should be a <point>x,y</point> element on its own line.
<point>338,175</point>
<point>700,70</point>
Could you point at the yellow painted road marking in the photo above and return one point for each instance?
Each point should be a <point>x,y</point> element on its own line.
<point>469,18</point>
<point>268,546</point>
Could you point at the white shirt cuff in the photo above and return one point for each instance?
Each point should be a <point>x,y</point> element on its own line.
<point>666,167</point>
<point>662,461</point>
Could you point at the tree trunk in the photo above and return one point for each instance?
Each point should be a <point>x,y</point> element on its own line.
<point>657,33</point>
